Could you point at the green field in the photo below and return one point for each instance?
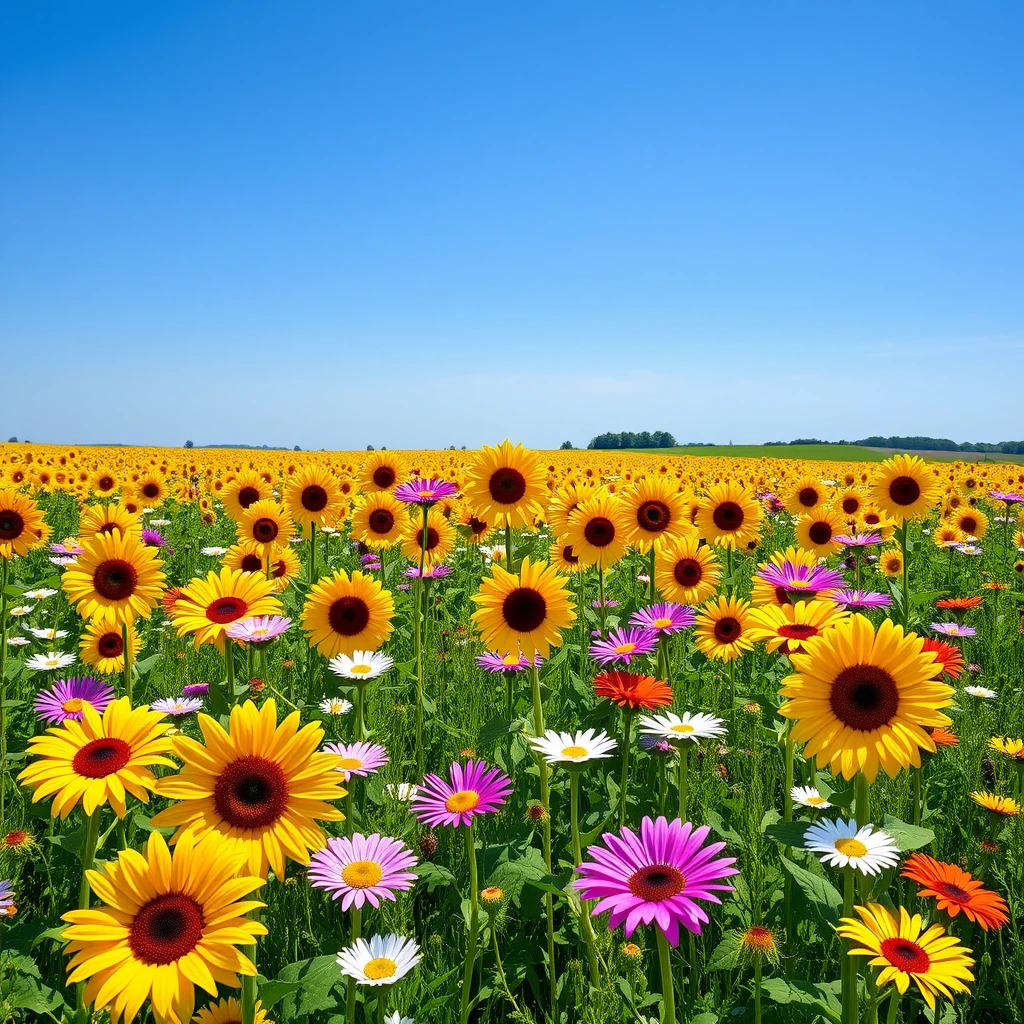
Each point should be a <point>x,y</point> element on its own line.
<point>836,452</point>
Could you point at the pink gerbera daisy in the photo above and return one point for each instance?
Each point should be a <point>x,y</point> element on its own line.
<point>473,789</point>
<point>363,869</point>
<point>624,645</point>
<point>655,877</point>
<point>664,618</point>
<point>358,758</point>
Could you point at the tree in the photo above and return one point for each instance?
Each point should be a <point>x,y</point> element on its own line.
<point>12,440</point>
<point>189,444</point>
<point>566,446</point>
<point>297,448</point>
<point>369,447</point>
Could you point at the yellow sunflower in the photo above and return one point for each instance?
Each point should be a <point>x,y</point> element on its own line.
<point>97,760</point>
<point>564,502</point>
<point>228,1011</point>
<point>905,488</point>
<point>890,562</point>
<point>506,485</point>
<point>110,518</point>
<point>380,520</point>
<point>313,496</point>
<point>686,571</point>
<point>806,495</point>
<point>115,576</point>
<point>817,532</point>
<point>972,522</point>
<point>564,559</point>
<point>526,612</point>
<point>722,629</point>
<point>729,517</point>
<point>864,700</point>
<point>21,525</point>
<point>249,556</point>
<point>946,535</point>
<point>266,523</point>
<point>151,489</point>
<point>241,491</point>
<point>343,615</point>
<point>597,531</point>
<point>849,503</point>
<point>440,538</point>
<point>168,922</point>
<point>382,471</point>
<point>655,513</point>
<point>792,628</point>
<point>471,526</point>
<point>102,645</point>
<point>261,785</point>
<point>103,482</point>
<point>206,607</point>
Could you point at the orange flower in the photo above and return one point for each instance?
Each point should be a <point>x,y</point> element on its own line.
<point>947,656</point>
<point>959,604</point>
<point>628,689</point>
<point>956,890</point>
<point>944,738</point>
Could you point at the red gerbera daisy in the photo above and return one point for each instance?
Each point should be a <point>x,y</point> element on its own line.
<point>628,689</point>
<point>955,890</point>
<point>959,604</point>
<point>947,656</point>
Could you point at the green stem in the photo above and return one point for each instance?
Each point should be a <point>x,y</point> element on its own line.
<point>474,926</point>
<point>312,552</point>
<point>651,592</point>
<point>500,969</point>
<point>418,642</point>
<point>4,567</point>
<point>508,546</point>
<point>356,915</point>
<point>627,728</point>
<point>249,984</point>
<point>894,1005</point>
<point>916,774</point>
<point>128,681</point>
<point>229,668</point>
<point>849,966</point>
<point>92,837</point>
<point>668,995</point>
<point>728,571</point>
<point>360,696</point>
<point>757,991</point>
<point>586,926</point>
<point>600,596</point>
<point>683,779</point>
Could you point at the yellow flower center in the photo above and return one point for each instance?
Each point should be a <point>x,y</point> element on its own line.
<point>574,751</point>
<point>851,847</point>
<point>361,874</point>
<point>337,706</point>
<point>72,706</point>
<point>348,763</point>
<point>260,632</point>
<point>797,584</point>
<point>814,801</point>
<point>361,670</point>
<point>510,659</point>
<point>429,493</point>
<point>464,800</point>
<point>380,967</point>
<point>625,649</point>
<point>662,623</point>
<point>52,662</point>
<point>682,727</point>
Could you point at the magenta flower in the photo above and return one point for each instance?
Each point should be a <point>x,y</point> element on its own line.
<point>177,706</point>
<point>153,538</point>
<point>358,758</point>
<point>259,628</point>
<point>664,618</point>
<point>195,690</point>
<point>1010,497</point>
<point>425,492</point>
<point>470,790</point>
<point>655,877</point>
<point>508,663</point>
<point>788,578</point>
<point>953,629</point>
<point>860,599</point>
<point>363,869</point>
<point>623,645</point>
<point>858,540</point>
<point>63,700</point>
<point>433,572</point>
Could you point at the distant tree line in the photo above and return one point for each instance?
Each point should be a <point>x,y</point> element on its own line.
<point>627,439</point>
<point>919,444</point>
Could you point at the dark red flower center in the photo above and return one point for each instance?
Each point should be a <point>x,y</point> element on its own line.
<point>906,956</point>
<point>252,563</point>
<point>820,533</point>
<point>432,539</point>
<point>569,555</point>
<point>150,490</point>
<point>166,929</point>
<point>349,616</point>
<point>314,498</point>
<point>728,516</point>
<point>11,524</point>
<point>476,526</point>
<point>507,485</point>
<point>850,505</point>
<point>808,497</point>
<point>110,645</point>
<point>688,572</point>
<point>105,483</point>
<point>904,490</point>
<point>656,882</point>
<point>797,631</point>
<point>864,697</point>
<point>968,524</point>
<point>226,609</point>
<point>265,531</point>
<point>247,495</point>
<point>954,892</point>
<point>653,516</point>
<point>251,792</point>
<point>599,531</point>
<point>107,528</point>
<point>102,757</point>
<point>524,609</point>
<point>384,477</point>
<point>381,520</point>
<point>727,630</point>
<point>115,579</point>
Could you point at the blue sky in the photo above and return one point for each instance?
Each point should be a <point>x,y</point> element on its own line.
<point>333,224</point>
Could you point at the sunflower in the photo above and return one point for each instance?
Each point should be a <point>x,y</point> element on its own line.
<point>103,482</point>
<point>722,629</point>
<point>905,952</point>
<point>817,532</point>
<point>380,520</point>
<point>525,613</point>
<point>169,922</point>
<point>849,503</point>
<point>313,496</point>
<point>904,488</point>
<point>21,525</point>
<point>440,538</point>
<point>506,485</point>
<point>229,1011</point>
<point>972,522</point>
<point>343,615</point>
<point>242,490</point>
<point>805,496</point>
<point>564,502</point>
<point>728,517</point>
<point>864,700</point>
<point>116,575</point>
<point>262,785</point>
<point>793,628</point>
<point>686,571</point>
<point>152,489</point>
<point>266,523</point>
<point>655,513</point>
<point>890,562</point>
<point>97,760</point>
<point>109,518</point>
<point>955,890</point>
<point>475,529</point>
<point>598,531</point>
<point>382,471</point>
<point>206,607</point>
<point>102,645</point>
<point>564,559</point>
<point>947,535</point>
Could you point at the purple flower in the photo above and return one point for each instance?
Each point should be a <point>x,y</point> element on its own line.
<point>153,538</point>
<point>196,690</point>
<point>63,700</point>
<point>508,663</point>
<point>469,790</point>
<point>664,618</point>
<point>623,645</point>
<point>259,628</point>
<point>370,556</point>
<point>803,579</point>
<point>973,668</point>
<point>67,548</point>
<point>1010,497</point>
<point>433,572</point>
<point>859,599</point>
<point>953,629</point>
<point>609,602</point>
<point>858,540</point>
<point>6,896</point>
<point>425,492</point>
<point>176,706</point>
<point>358,758</point>
<point>363,869</point>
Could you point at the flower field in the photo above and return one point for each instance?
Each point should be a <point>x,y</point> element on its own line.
<point>504,735</point>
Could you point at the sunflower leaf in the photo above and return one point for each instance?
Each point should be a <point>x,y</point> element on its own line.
<point>827,899</point>
<point>908,837</point>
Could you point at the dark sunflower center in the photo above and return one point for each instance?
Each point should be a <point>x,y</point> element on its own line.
<point>105,483</point>
<point>247,495</point>
<point>150,490</point>
<point>850,505</point>
<point>251,792</point>
<point>968,524</point>
<point>110,645</point>
<point>524,609</point>
<point>349,616</point>
<point>279,569</point>
<point>265,531</point>
<point>864,697</point>
<point>314,498</point>
<point>477,526</point>
<point>383,476</point>
<point>432,539</point>
<point>252,563</point>
<point>11,524</point>
<point>115,579</point>
<point>102,757</point>
<point>728,516</point>
<point>507,485</point>
<point>381,520</point>
<point>653,516</point>
<point>727,630</point>
<point>904,490</point>
<point>906,956</point>
<point>820,533</point>
<point>107,528</point>
<point>808,497</point>
<point>797,631</point>
<point>657,882</point>
<point>569,555</point>
<point>599,531</point>
<point>226,609</point>
<point>166,929</point>
<point>688,572</point>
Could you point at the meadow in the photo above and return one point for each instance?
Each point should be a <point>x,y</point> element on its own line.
<point>500,735</point>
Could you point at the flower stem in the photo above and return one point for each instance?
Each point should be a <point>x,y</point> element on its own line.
<point>474,927</point>
<point>668,995</point>
<point>602,611</point>
<point>757,991</point>
<point>418,642</point>
<point>312,552</point>
<point>586,927</point>
<point>249,983</point>
<point>508,546</point>
<point>894,1005</point>
<point>229,669</point>
<point>627,728</point>
<point>651,592</point>
<point>683,779</point>
<point>127,663</point>
<point>360,709</point>
<point>916,775</point>
<point>849,967</point>
<point>3,684</point>
<point>356,915</point>
<point>92,837</point>
<point>501,970</point>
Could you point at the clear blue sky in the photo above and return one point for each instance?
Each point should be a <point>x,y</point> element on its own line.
<point>420,224</point>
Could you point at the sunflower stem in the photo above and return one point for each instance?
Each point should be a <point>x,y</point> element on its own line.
<point>356,916</point>
<point>508,546</point>
<point>894,1005</point>
<point>849,966</point>
<point>650,591</point>
<point>728,571</point>
<point>3,685</point>
<point>916,775</point>
<point>418,638</point>
<point>92,837</point>
<point>312,552</point>
<point>474,927</point>
<point>683,779</point>
<point>668,994</point>
<point>600,596</point>
<point>586,927</point>
<point>249,986</point>
<point>229,669</point>
<point>627,727</point>
<point>757,991</point>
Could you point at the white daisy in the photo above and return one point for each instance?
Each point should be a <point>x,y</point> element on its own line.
<point>404,791</point>
<point>335,706</point>
<point>397,1018</point>
<point>40,595</point>
<point>670,726</point>
<point>842,844</point>
<point>214,552</point>
<point>361,666</point>
<point>148,511</point>
<point>981,691</point>
<point>18,641</point>
<point>159,522</point>
<point>49,662</point>
<point>383,960</point>
<point>558,747</point>
<point>329,530</point>
<point>48,634</point>
<point>22,609</point>
<point>808,796</point>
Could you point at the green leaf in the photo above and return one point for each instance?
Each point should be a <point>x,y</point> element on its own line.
<point>434,876</point>
<point>827,899</point>
<point>317,979</point>
<point>719,826</point>
<point>908,837</point>
<point>725,956</point>
<point>275,990</point>
<point>788,833</point>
